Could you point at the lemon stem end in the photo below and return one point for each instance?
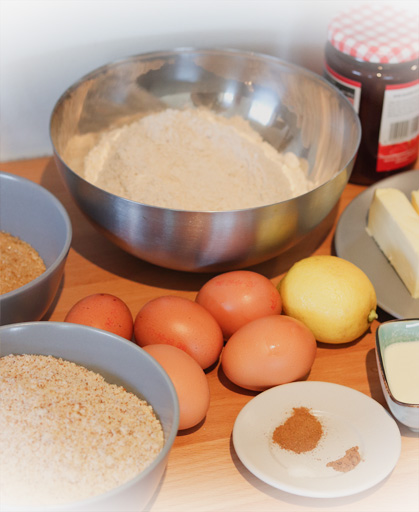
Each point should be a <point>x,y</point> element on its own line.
<point>372,316</point>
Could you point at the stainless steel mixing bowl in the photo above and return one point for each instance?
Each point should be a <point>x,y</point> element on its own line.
<point>291,107</point>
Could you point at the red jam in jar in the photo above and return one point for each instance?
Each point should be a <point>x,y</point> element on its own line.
<point>372,57</point>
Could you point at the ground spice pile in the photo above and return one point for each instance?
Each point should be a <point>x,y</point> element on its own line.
<point>300,433</point>
<point>348,462</point>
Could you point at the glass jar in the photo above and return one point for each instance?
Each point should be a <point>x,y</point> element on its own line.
<point>372,56</point>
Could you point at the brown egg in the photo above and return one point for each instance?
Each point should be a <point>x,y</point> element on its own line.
<point>180,322</point>
<point>236,298</point>
<point>103,311</point>
<point>189,380</point>
<point>269,351</point>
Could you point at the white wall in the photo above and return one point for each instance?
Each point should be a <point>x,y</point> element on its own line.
<point>46,45</point>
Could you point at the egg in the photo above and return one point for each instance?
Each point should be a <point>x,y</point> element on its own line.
<point>238,297</point>
<point>269,351</point>
<point>180,322</point>
<point>103,311</point>
<point>189,381</point>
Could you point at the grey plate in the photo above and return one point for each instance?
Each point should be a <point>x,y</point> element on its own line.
<point>354,244</point>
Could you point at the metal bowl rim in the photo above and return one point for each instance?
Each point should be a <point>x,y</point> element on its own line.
<point>224,51</point>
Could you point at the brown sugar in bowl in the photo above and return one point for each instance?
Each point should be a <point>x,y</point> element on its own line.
<point>31,213</point>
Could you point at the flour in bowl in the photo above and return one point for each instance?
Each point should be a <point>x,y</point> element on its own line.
<point>194,159</point>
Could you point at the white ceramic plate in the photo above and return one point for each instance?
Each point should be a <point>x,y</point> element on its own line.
<point>353,243</point>
<point>349,419</point>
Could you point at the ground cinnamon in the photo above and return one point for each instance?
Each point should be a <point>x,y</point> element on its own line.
<point>300,433</point>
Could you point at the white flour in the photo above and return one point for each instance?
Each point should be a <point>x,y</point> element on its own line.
<point>194,159</point>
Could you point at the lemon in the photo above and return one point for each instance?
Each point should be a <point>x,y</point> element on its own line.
<point>332,296</point>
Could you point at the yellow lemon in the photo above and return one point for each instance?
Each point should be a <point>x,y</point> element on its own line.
<point>332,296</point>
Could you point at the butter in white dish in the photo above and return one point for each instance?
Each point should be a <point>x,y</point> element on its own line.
<point>394,225</point>
<point>401,362</point>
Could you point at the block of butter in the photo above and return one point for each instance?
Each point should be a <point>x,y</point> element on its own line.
<point>415,200</point>
<point>394,225</point>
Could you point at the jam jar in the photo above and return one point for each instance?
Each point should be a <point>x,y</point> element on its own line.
<point>371,55</point>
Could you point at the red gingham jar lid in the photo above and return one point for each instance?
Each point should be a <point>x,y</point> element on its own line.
<point>376,33</point>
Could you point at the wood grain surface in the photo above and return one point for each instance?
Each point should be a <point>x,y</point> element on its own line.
<point>204,473</point>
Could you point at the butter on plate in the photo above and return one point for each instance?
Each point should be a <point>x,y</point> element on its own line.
<point>394,224</point>
<point>415,200</point>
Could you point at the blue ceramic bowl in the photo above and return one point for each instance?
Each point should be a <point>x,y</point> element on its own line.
<point>120,362</point>
<point>30,212</point>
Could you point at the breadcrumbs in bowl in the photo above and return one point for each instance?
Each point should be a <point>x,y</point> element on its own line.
<point>87,419</point>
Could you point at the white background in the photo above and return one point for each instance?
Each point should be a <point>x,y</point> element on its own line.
<point>46,45</point>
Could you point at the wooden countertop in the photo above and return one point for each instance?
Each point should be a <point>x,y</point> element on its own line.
<point>204,473</point>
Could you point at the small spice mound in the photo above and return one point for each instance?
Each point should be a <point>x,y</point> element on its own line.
<point>300,433</point>
<point>19,263</point>
<point>349,461</point>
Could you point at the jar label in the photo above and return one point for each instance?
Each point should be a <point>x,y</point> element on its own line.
<point>350,88</point>
<point>398,142</point>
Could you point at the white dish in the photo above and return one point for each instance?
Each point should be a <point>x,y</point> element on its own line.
<point>353,243</point>
<point>349,419</point>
